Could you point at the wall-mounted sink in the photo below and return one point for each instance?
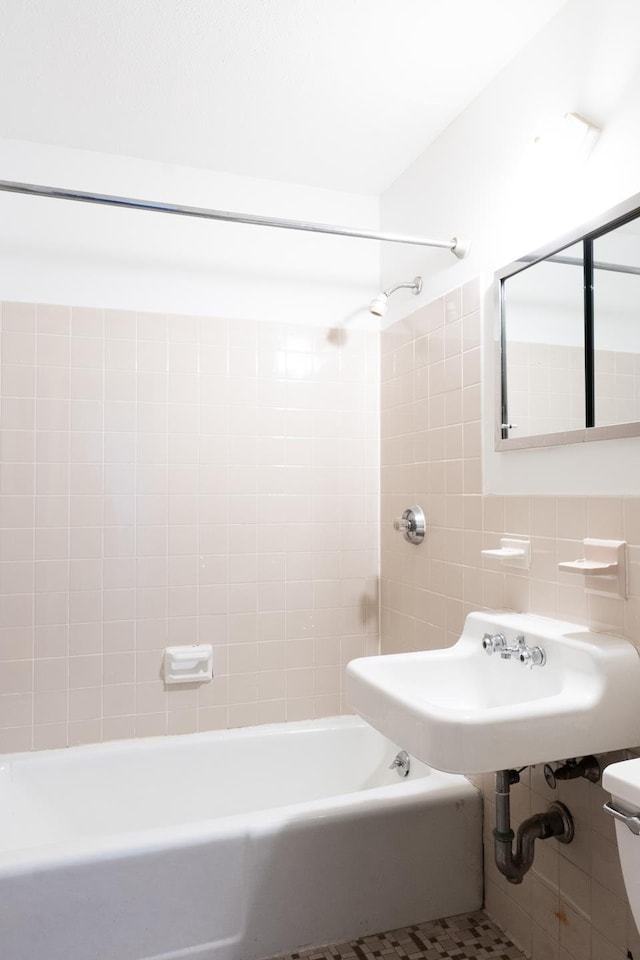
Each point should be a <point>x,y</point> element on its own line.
<point>561,692</point>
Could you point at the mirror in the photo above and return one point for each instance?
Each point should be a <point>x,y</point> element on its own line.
<point>544,346</point>
<point>570,337</point>
<point>616,296</point>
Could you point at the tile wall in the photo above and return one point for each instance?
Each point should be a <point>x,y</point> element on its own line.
<point>176,480</point>
<point>572,905</point>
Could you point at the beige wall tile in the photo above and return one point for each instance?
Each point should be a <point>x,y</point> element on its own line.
<point>185,479</point>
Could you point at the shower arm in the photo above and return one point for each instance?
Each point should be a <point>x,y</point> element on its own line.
<point>415,285</point>
<point>457,245</point>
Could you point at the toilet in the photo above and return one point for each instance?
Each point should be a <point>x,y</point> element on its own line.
<point>622,781</point>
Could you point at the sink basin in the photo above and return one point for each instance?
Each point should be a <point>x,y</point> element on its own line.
<point>462,711</point>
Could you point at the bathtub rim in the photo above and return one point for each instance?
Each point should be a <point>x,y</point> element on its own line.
<point>225,733</point>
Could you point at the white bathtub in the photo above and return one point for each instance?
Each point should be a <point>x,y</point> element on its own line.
<point>233,845</point>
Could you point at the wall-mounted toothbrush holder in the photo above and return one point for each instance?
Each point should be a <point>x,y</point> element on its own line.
<point>512,553</point>
<point>603,567</point>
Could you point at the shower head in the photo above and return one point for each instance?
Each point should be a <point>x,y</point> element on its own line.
<point>379,304</point>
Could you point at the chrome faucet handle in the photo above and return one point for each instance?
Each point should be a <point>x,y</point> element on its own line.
<point>494,643</point>
<point>533,656</point>
<point>530,656</point>
<point>411,524</point>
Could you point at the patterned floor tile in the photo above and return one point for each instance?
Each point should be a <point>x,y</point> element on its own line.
<point>469,937</point>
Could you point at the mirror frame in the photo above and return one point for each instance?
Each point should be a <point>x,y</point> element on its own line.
<point>586,234</point>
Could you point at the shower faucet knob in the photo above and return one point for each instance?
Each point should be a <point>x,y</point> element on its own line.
<point>401,524</point>
<point>411,524</point>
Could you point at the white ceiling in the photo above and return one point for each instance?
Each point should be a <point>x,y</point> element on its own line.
<point>333,93</point>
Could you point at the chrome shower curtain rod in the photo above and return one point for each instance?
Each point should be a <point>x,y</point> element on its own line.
<point>457,245</point>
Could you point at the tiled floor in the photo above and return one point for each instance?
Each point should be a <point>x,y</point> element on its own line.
<point>469,937</point>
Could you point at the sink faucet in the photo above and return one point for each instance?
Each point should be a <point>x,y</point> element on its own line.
<point>530,656</point>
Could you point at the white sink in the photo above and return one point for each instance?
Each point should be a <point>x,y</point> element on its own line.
<point>463,711</point>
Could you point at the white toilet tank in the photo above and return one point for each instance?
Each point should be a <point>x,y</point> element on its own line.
<point>622,781</point>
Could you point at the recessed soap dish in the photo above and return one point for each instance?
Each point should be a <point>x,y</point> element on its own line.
<point>512,552</point>
<point>192,663</point>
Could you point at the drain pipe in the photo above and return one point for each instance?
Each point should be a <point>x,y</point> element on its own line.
<point>555,822</point>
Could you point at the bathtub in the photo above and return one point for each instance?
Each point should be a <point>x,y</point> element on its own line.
<point>233,845</point>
